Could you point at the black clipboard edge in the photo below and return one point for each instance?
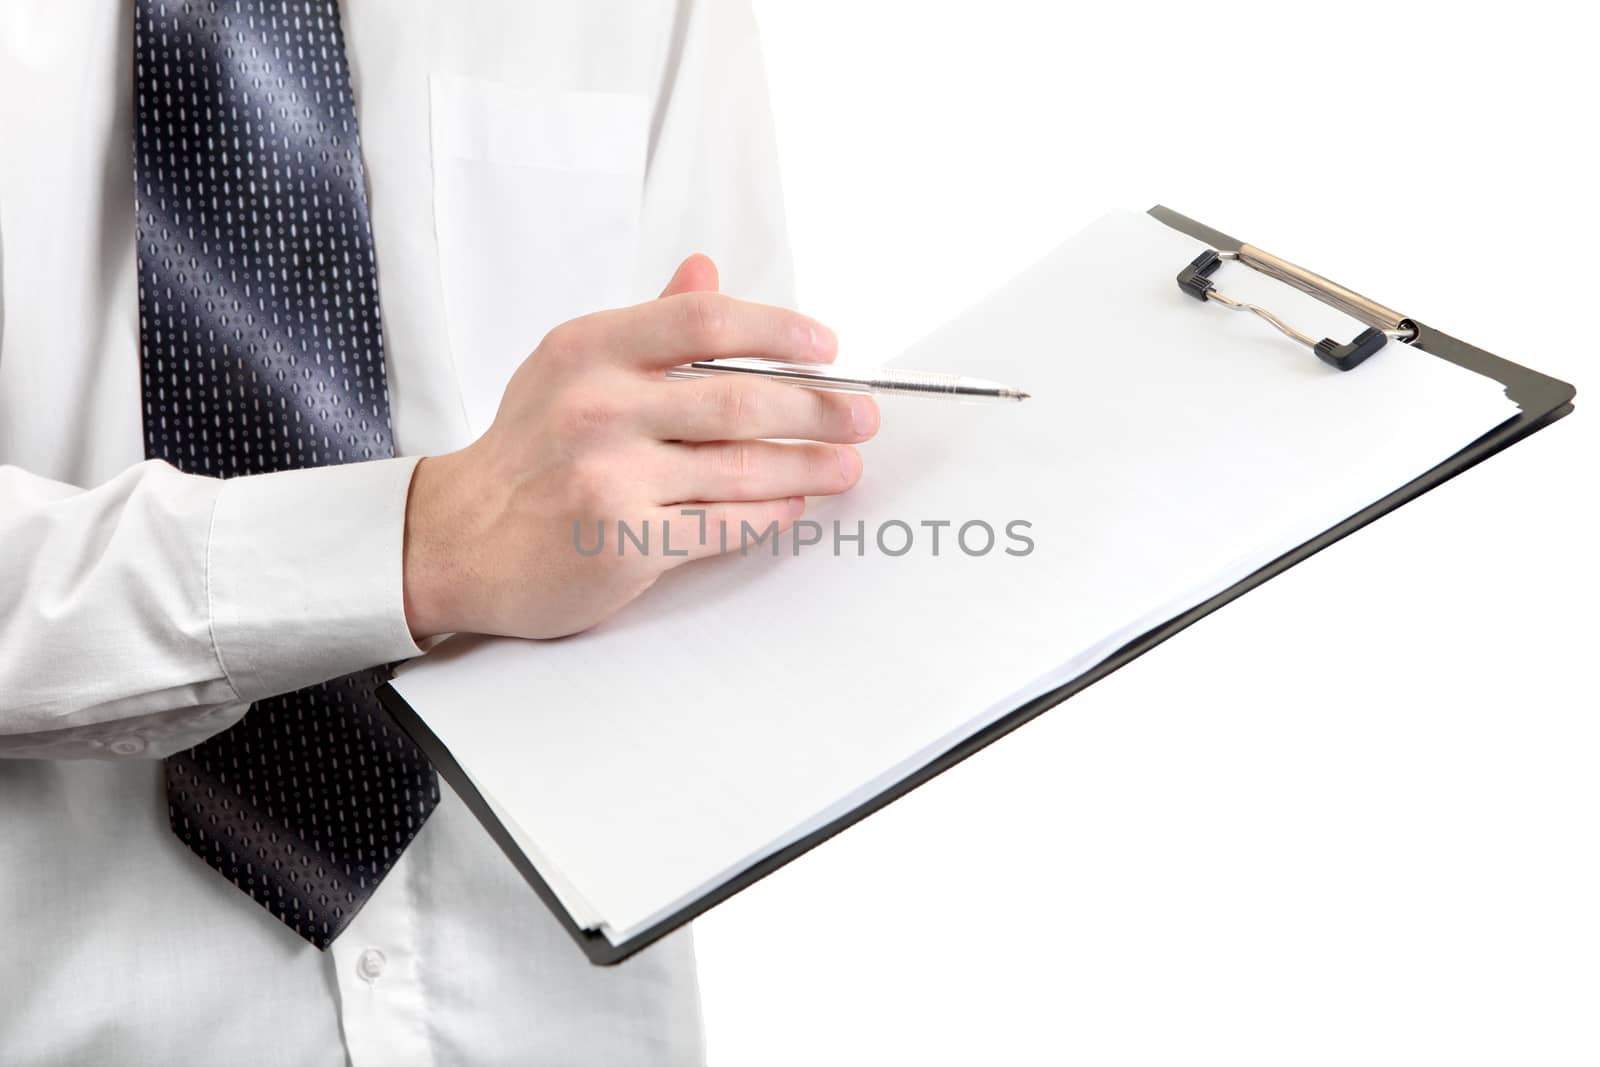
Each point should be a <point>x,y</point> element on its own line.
<point>1542,400</point>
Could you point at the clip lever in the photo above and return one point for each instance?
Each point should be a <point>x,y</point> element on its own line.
<point>1195,280</point>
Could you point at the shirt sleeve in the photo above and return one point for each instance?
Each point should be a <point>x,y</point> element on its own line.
<point>139,617</point>
<point>712,181</point>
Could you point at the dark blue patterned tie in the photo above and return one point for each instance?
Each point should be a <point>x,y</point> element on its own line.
<point>261,351</point>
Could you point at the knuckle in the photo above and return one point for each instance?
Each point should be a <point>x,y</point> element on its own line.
<point>566,342</point>
<point>736,405</point>
<point>706,319</point>
<point>738,464</point>
<point>588,411</point>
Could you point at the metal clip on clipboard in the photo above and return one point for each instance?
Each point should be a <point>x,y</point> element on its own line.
<point>1382,323</point>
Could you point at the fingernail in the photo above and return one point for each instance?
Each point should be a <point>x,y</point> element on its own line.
<point>824,342</point>
<point>849,464</point>
<point>863,416</point>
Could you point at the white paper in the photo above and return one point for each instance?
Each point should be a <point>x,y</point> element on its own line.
<point>1171,447</point>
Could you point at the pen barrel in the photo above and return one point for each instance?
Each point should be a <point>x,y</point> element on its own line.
<point>805,381</point>
<point>834,380</point>
<point>927,383</point>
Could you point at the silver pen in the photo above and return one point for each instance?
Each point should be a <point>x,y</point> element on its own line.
<point>831,379</point>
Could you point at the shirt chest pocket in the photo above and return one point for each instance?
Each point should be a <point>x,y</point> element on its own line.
<point>536,211</point>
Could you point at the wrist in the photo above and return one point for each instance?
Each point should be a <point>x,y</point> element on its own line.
<point>431,555</point>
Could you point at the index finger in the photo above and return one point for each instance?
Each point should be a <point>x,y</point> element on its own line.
<point>688,327</point>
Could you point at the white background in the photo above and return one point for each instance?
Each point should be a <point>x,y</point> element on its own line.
<point>1351,817</point>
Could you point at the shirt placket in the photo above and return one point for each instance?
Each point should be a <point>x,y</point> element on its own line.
<point>378,971</point>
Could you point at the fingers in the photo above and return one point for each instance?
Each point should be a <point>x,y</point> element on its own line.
<point>755,470</point>
<point>743,409</point>
<point>695,274</point>
<point>701,530</point>
<point>690,326</point>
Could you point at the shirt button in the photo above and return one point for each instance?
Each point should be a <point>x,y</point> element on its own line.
<point>128,746</point>
<point>370,965</point>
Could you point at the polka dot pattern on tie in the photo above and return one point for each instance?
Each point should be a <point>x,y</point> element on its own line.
<point>262,350</point>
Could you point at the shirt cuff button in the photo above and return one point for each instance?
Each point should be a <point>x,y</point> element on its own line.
<point>128,746</point>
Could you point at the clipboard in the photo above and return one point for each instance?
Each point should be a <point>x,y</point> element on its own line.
<point>1540,399</point>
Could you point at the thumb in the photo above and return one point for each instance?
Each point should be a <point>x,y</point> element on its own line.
<point>697,274</point>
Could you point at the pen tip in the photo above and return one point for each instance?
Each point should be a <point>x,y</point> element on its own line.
<point>1023,396</point>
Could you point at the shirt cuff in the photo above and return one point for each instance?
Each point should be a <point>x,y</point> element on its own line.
<point>304,574</point>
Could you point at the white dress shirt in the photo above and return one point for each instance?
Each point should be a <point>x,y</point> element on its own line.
<point>528,161</point>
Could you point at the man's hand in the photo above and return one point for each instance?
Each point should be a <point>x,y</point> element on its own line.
<point>590,431</point>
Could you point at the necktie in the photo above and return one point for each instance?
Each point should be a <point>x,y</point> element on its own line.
<point>261,351</point>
